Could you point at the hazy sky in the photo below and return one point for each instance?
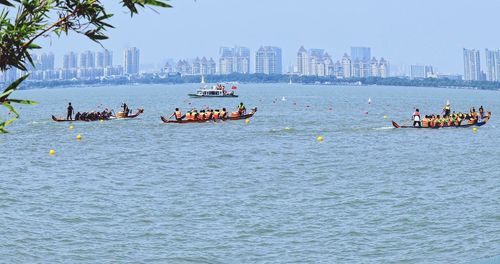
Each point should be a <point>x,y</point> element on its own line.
<point>402,31</point>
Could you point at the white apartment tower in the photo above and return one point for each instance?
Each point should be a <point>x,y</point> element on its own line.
<point>472,65</point>
<point>131,61</point>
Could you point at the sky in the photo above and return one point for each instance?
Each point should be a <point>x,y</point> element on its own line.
<point>430,32</point>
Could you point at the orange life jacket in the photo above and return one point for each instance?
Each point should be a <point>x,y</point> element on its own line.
<point>188,116</point>
<point>178,114</point>
<point>222,114</point>
<point>216,115</point>
<point>235,114</point>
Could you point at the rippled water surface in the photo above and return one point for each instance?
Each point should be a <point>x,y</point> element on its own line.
<point>139,191</point>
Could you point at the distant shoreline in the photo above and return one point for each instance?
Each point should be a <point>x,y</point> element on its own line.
<point>262,78</point>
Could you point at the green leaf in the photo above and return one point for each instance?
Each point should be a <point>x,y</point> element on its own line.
<point>5,2</point>
<point>20,101</point>
<point>34,46</point>
<point>11,88</point>
<point>157,3</point>
<point>11,109</point>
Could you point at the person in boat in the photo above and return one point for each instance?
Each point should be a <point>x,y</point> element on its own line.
<point>481,111</point>
<point>436,121</point>
<point>426,121</point>
<point>208,114</point>
<point>416,118</point>
<point>202,115</point>
<point>447,110</point>
<point>125,109</point>
<point>194,114</point>
<point>241,109</point>
<point>77,116</point>
<point>216,114</point>
<point>178,114</point>
<point>223,114</point>
<point>69,116</point>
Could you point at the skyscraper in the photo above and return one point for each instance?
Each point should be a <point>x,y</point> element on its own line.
<point>108,58</point>
<point>235,59</point>
<point>226,60</point>
<point>47,61</point>
<point>70,61</point>
<point>363,54</point>
<point>99,59</point>
<point>421,71</point>
<point>87,59</point>
<point>346,66</point>
<point>131,60</point>
<point>242,59</point>
<point>492,65</point>
<point>268,60</point>
<point>303,61</point>
<point>472,65</point>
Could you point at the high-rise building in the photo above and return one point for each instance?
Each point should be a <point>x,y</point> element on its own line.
<point>87,59</point>
<point>70,61</point>
<point>362,54</point>
<point>47,61</point>
<point>492,65</point>
<point>108,58</point>
<point>242,59</point>
<point>314,62</point>
<point>268,60</point>
<point>131,60</point>
<point>226,60</point>
<point>346,66</point>
<point>235,59</point>
<point>421,71</point>
<point>472,65</point>
<point>99,59</point>
<point>303,61</point>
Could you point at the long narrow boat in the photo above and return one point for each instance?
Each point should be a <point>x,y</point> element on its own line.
<point>249,115</point>
<point>118,115</point>
<point>482,123</point>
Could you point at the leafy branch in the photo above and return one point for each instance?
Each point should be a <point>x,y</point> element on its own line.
<point>41,18</point>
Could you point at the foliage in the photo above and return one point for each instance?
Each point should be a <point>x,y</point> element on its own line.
<point>41,18</point>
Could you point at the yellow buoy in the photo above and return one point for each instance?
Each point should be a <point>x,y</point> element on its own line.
<point>71,127</point>
<point>101,120</point>
<point>78,137</point>
<point>52,152</point>
<point>474,129</point>
<point>288,128</point>
<point>320,138</point>
<point>385,117</point>
<point>247,121</point>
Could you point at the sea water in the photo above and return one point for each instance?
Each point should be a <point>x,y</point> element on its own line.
<point>140,191</point>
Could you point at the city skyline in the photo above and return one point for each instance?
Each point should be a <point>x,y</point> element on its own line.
<point>405,33</point>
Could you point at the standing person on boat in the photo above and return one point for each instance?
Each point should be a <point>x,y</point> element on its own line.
<point>125,109</point>
<point>416,118</point>
<point>177,114</point>
<point>447,109</point>
<point>69,116</point>
<point>241,109</point>
<point>481,111</point>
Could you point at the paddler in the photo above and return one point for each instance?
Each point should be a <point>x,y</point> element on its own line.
<point>216,114</point>
<point>223,114</point>
<point>69,116</point>
<point>416,118</point>
<point>241,108</point>
<point>177,114</point>
<point>426,121</point>
<point>447,109</point>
